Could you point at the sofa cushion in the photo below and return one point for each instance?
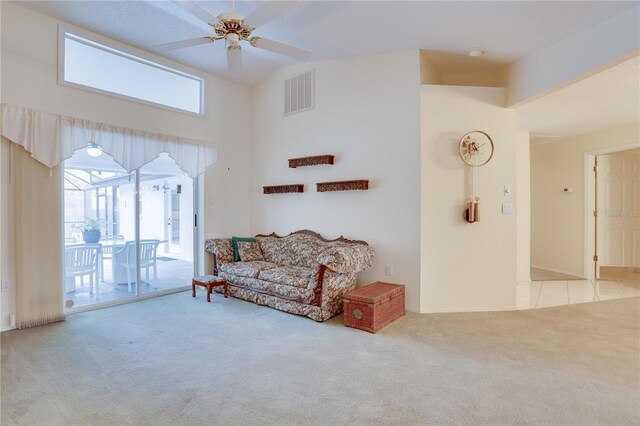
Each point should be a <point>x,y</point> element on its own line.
<point>302,295</point>
<point>293,250</point>
<point>246,269</point>
<point>249,252</point>
<point>294,276</point>
<point>234,241</point>
<point>221,247</point>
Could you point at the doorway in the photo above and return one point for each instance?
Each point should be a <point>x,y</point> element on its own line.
<point>616,220</point>
<point>563,224</point>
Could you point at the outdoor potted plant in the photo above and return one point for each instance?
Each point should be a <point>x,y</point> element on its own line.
<point>90,230</point>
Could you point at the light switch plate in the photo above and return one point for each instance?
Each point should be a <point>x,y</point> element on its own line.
<point>507,208</point>
<point>388,269</point>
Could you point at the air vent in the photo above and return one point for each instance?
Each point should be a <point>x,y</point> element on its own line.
<point>299,93</point>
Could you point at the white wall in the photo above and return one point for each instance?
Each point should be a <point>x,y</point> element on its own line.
<point>366,114</point>
<point>523,206</point>
<point>467,267</point>
<point>429,73</point>
<point>579,55</point>
<point>29,78</point>
<point>459,70</point>
<point>558,219</point>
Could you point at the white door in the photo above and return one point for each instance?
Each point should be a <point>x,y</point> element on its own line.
<point>619,209</point>
<point>174,220</point>
<point>172,213</point>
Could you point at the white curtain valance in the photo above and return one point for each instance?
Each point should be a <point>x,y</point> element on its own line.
<point>52,138</point>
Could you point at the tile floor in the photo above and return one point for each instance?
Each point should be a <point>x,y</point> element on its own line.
<point>542,294</point>
<point>172,273</point>
<point>538,274</point>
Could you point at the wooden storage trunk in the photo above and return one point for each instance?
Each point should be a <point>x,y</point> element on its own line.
<point>373,306</point>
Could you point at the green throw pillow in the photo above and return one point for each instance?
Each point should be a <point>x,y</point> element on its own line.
<point>234,240</point>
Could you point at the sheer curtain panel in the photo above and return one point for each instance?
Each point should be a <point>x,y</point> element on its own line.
<point>38,244</point>
<point>52,138</point>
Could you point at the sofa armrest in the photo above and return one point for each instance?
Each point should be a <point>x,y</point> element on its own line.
<point>348,258</point>
<point>222,250</point>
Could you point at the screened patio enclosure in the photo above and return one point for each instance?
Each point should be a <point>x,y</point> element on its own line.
<point>98,191</point>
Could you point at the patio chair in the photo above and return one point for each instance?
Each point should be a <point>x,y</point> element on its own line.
<point>148,252</point>
<point>124,260</point>
<point>81,260</point>
<point>107,250</point>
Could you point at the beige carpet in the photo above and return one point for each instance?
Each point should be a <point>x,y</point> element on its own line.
<point>178,360</point>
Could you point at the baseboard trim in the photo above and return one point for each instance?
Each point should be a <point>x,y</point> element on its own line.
<point>558,271</point>
<point>453,311</point>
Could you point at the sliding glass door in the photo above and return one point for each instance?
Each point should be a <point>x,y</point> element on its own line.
<point>166,226</point>
<point>117,251</point>
<point>98,222</point>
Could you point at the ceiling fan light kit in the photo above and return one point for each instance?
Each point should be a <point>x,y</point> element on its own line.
<point>234,29</point>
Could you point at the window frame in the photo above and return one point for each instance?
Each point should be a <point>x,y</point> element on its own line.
<point>111,46</point>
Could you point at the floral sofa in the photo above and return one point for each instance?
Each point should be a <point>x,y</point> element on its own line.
<point>302,273</point>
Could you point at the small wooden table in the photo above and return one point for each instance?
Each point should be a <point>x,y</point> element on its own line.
<point>208,282</point>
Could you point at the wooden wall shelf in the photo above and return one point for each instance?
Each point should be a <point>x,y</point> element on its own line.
<point>345,185</point>
<point>311,161</point>
<point>283,189</point>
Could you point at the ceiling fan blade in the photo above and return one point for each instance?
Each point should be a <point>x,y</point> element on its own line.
<point>197,11</point>
<point>281,48</point>
<point>234,59</point>
<point>268,11</point>
<point>182,44</point>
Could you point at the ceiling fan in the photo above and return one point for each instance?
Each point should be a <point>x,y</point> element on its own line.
<point>234,29</point>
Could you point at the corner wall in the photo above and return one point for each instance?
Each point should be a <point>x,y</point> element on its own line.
<point>467,267</point>
<point>366,114</point>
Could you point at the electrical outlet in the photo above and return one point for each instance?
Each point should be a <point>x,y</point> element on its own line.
<point>507,208</point>
<point>5,286</point>
<point>388,269</point>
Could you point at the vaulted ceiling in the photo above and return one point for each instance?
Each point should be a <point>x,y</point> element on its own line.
<point>338,29</point>
<point>607,99</point>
